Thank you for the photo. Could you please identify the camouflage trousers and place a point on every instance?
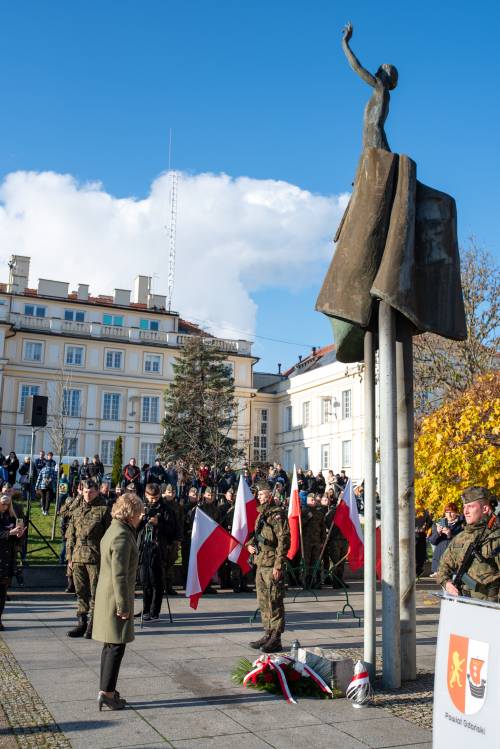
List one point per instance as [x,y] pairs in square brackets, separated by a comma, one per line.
[312,550]
[270,598]
[334,552]
[85,577]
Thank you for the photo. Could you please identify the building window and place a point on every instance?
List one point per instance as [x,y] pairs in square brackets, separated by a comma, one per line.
[306,413]
[346,404]
[230,369]
[260,440]
[306,458]
[70,447]
[107,450]
[113,359]
[33,310]
[111,406]
[148,452]
[152,363]
[346,453]
[73,356]
[150,411]
[33,351]
[71,315]
[24,443]
[288,460]
[325,457]
[25,391]
[116,320]
[288,419]
[326,410]
[149,325]
[71,402]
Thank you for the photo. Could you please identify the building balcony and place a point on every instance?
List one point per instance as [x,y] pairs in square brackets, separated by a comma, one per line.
[97,330]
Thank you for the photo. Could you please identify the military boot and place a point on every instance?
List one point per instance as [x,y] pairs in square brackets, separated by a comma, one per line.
[272,644]
[88,631]
[255,644]
[80,628]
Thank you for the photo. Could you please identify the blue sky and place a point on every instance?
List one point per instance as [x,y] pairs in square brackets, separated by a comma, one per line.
[259,89]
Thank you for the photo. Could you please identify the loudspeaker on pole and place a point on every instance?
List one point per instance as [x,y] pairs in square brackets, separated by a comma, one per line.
[35,411]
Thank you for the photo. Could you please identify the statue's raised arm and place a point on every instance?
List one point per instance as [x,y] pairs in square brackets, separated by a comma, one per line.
[352,59]
[377,109]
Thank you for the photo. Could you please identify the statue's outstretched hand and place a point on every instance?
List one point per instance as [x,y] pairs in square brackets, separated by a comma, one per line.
[347,31]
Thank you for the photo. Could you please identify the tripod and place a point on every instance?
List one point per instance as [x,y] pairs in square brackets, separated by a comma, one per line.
[29,521]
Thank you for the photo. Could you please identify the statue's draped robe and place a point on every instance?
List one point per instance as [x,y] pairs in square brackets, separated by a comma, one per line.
[397,242]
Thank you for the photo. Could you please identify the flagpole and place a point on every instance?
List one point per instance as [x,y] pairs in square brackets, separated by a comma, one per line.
[370,582]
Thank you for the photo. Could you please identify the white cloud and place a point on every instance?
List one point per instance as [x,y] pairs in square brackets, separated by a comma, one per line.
[234,236]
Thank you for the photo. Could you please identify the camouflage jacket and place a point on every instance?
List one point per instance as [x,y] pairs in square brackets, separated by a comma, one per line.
[485,573]
[211,509]
[313,525]
[67,509]
[272,535]
[87,526]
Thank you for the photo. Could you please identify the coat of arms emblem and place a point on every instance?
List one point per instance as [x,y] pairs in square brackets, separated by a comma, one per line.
[467,673]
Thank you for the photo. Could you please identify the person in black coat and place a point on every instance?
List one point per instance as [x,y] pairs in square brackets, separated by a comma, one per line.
[443,532]
[12,529]
[159,531]
[12,467]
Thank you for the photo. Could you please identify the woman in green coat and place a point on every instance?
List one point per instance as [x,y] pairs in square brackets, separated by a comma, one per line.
[114,601]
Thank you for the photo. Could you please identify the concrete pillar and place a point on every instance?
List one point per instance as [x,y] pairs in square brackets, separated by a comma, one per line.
[391,644]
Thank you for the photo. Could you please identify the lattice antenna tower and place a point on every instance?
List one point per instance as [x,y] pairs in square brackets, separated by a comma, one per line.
[172,226]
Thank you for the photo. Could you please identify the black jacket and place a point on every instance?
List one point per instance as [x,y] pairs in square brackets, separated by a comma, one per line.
[9,545]
[165,533]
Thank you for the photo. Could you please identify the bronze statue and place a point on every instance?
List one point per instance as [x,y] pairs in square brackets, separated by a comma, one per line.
[397,241]
[377,109]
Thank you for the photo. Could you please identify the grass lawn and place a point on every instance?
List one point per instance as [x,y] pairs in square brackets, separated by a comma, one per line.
[38,553]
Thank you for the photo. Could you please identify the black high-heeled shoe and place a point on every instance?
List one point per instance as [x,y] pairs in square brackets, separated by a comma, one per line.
[114,703]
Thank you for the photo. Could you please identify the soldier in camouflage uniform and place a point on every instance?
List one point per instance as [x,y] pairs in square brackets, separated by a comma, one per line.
[65,515]
[230,573]
[269,545]
[336,551]
[210,508]
[313,538]
[189,511]
[88,524]
[482,579]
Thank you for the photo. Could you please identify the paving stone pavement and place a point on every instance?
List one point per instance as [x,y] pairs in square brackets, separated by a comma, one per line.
[176,678]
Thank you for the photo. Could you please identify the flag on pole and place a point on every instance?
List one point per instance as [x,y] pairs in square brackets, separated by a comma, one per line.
[347,519]
[211,544]
[294,516]
[245,515]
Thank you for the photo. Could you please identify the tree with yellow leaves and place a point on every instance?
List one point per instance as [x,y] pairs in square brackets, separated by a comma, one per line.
[458,445]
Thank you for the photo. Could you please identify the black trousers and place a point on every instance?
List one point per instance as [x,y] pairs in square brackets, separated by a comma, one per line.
[47,495]
[153,591]
[4,584]
[111,658]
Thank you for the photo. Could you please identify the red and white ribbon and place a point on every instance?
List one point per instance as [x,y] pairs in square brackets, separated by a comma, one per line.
[275,663]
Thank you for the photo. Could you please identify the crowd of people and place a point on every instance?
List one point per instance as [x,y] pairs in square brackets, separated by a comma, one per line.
[144,524]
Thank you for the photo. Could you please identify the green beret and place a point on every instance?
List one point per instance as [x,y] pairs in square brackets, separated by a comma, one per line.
[475,494]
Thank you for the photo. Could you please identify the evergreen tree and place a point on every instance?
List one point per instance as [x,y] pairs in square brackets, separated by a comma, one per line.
[116,471]
[200,408]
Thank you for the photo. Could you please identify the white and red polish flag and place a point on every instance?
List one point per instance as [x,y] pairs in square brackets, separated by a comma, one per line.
[245,515]
[211,544]
[294,516]
[347,519]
